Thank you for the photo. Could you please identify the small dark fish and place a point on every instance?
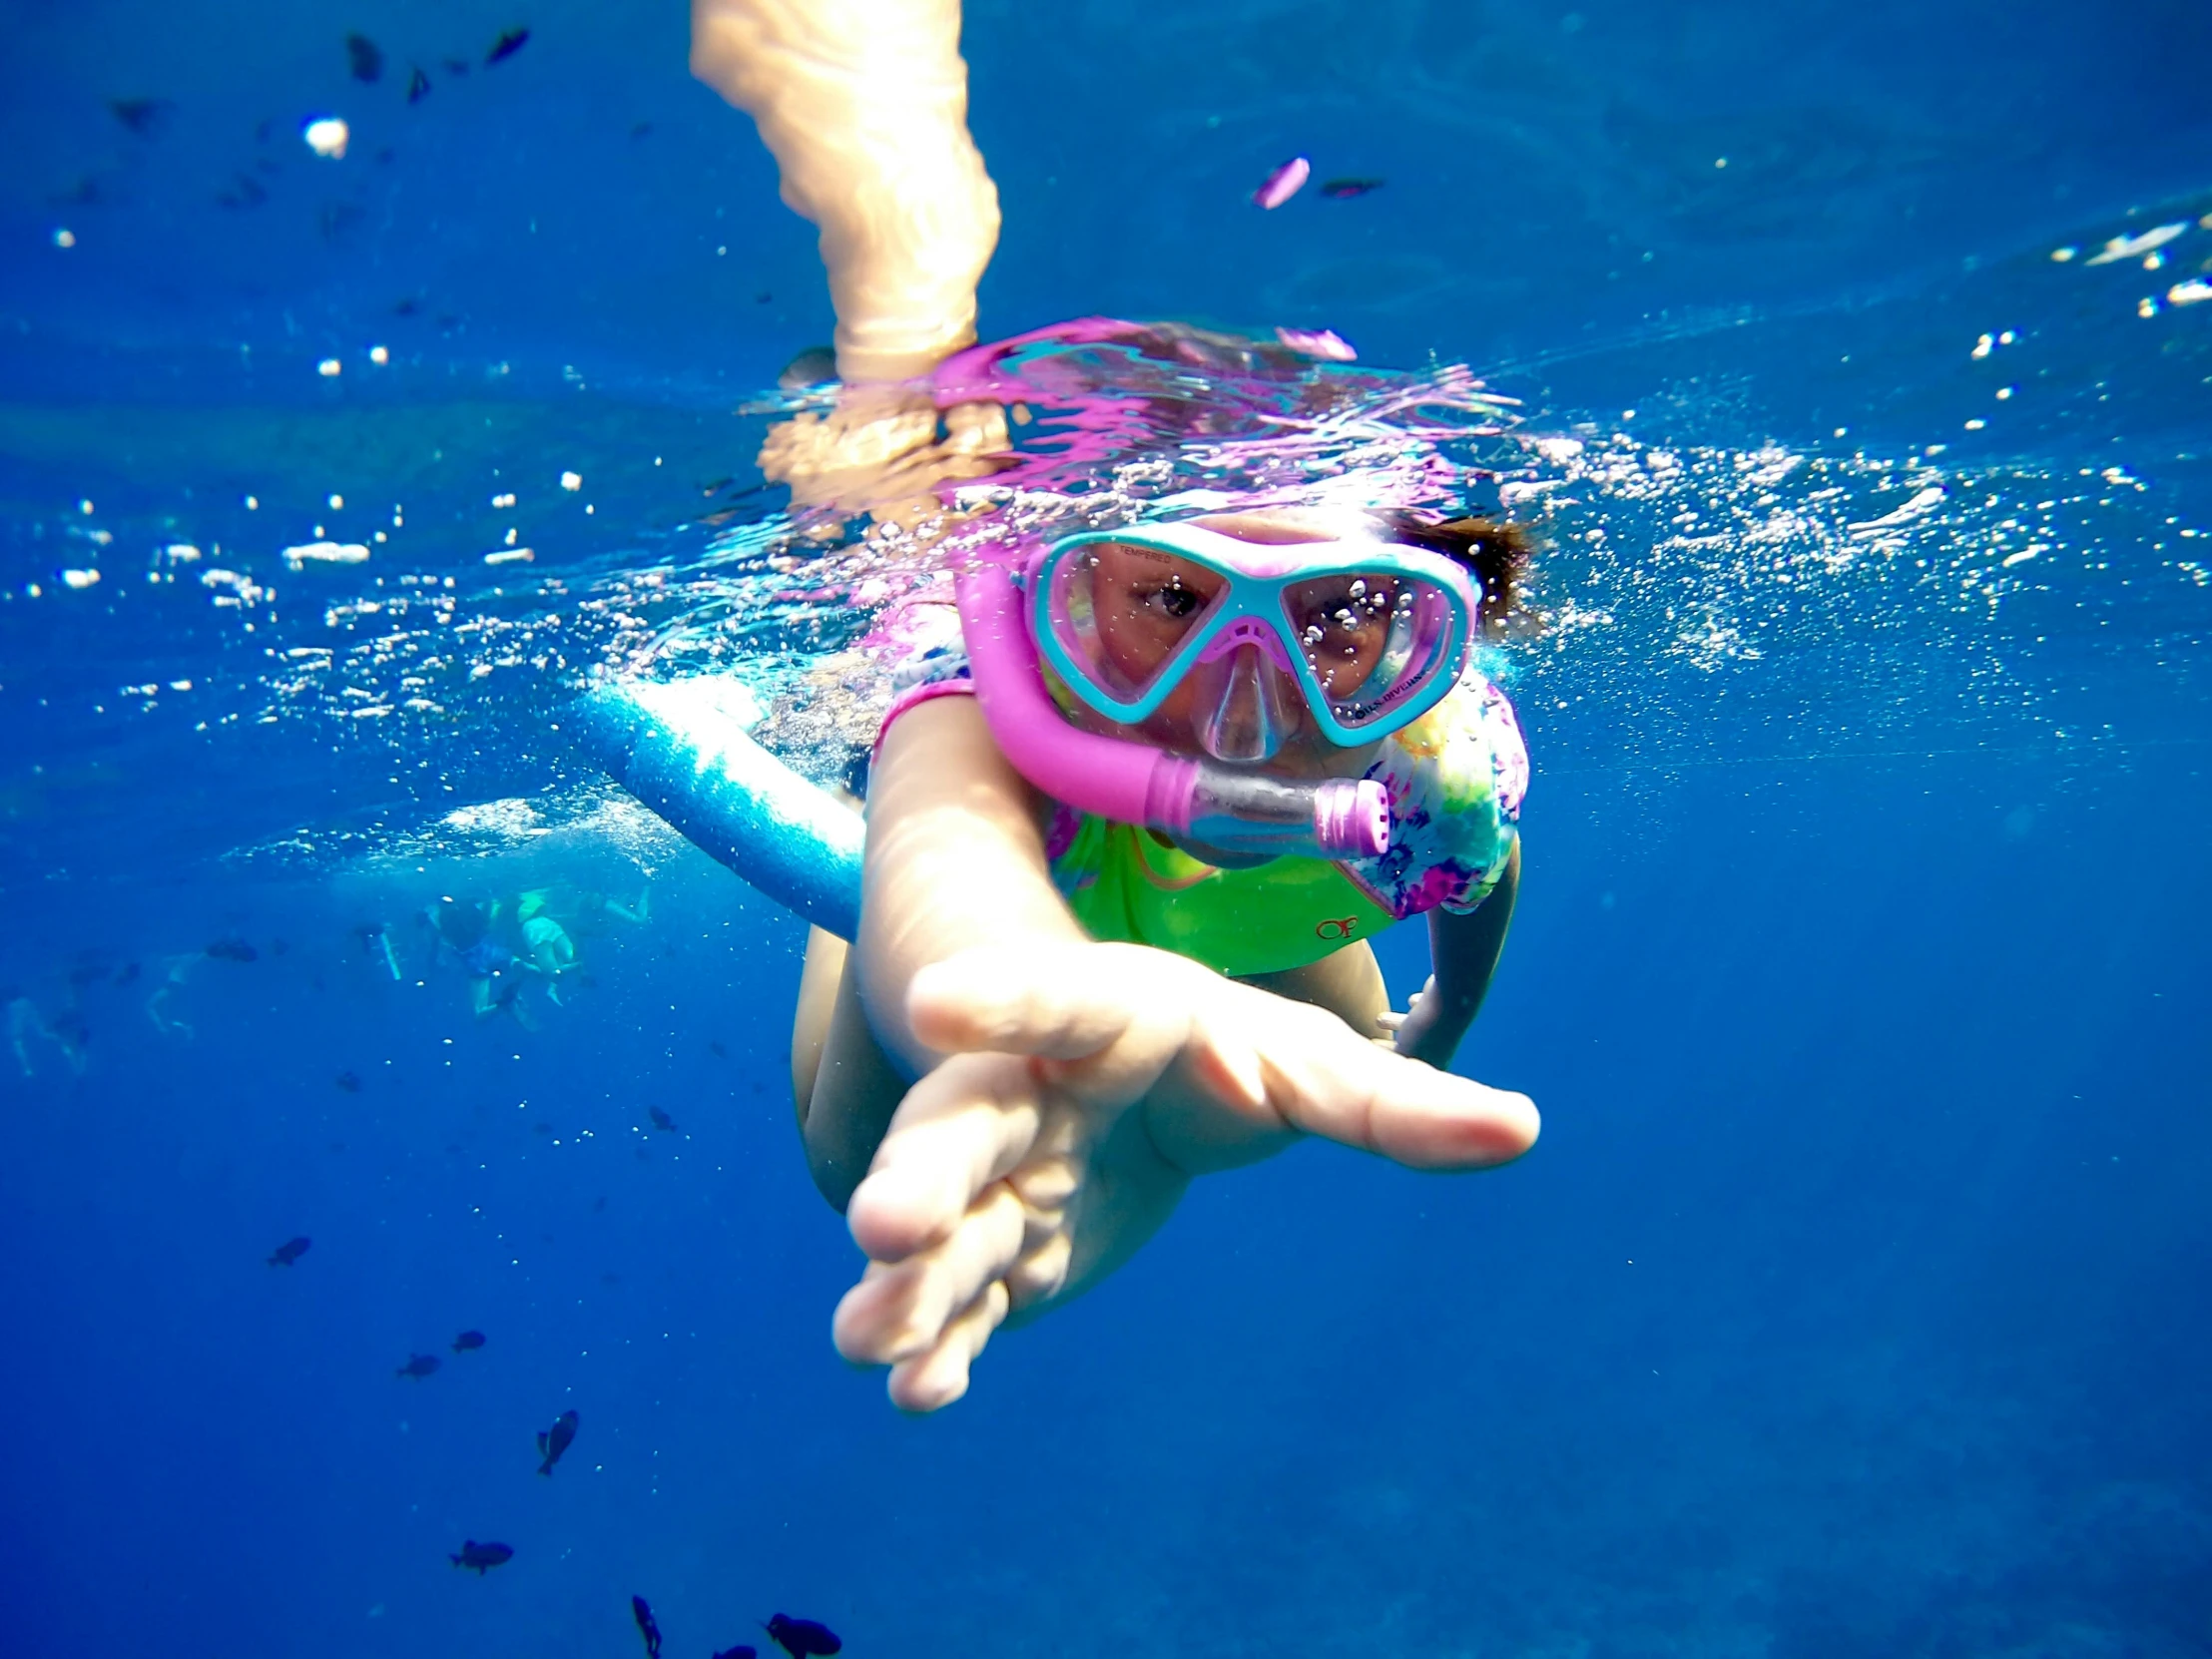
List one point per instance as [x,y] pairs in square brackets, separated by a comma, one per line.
[126,973]
[407,307]
[718,485]
[1343,189]
[85,193]
[246,191]
[741,1651]
[541,1129]
[348,1082]
[803,1638]
[144,116]
[289,1252]
[87,970]
[483,1557]
[234,950]
[365,57]
[641,128]
[456,66]
[70,1029]
[717,1051]
[555,1440]
[507,45]
[468,1341]
[643,1613]
[661,1120]
[418,1365]
[815,366]
[763,297]
[418,84]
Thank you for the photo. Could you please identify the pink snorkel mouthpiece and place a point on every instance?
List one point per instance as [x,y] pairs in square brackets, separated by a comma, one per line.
[1133,783]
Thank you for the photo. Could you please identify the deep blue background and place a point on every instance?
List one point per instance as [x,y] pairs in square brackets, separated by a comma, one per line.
[1854,1300]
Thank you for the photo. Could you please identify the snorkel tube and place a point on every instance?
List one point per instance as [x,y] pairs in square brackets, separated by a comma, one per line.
[1133,783]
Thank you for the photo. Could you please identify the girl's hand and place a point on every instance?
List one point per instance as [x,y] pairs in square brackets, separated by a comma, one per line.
[879,450]
[1087,1084]
[1405,1033]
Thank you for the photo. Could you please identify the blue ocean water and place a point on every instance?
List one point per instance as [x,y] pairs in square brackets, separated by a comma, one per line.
[1853,1301]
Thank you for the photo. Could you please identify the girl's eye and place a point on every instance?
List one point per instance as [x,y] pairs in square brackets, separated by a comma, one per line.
[1175,603]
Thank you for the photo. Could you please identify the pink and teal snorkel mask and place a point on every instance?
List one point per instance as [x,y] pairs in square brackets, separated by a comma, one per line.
[1239,643]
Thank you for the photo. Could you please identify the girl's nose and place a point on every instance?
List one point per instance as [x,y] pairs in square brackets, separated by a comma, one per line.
[1246,706]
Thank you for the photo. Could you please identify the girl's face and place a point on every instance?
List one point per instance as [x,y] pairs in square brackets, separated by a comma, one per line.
[1145,602]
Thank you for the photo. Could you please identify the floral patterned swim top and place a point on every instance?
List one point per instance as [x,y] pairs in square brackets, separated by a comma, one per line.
[1455,778]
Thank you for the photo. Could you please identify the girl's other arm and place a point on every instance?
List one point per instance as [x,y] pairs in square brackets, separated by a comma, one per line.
[864,104]
[1465,949]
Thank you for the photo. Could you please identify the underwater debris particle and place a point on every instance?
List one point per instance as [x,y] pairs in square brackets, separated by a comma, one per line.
[379,355]
[329,369]
[1283,184]
[325,553]
[2128,247]
[64,238]
[1323,343]
[326,136]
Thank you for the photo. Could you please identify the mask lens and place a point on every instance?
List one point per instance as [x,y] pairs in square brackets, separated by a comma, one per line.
[1372,639]
[1124,611]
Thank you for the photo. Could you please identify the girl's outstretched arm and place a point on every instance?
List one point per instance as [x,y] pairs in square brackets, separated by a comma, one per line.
[864,104]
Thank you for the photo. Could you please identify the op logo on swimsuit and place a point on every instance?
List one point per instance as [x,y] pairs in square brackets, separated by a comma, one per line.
[1337,927]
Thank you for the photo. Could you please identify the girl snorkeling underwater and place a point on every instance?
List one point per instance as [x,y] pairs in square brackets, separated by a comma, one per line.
[1127,841]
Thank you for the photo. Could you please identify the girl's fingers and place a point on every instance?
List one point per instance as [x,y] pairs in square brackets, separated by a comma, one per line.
[1058,1002]
[940,1376]
[1322,1077]
[899,1313]
[962,1127]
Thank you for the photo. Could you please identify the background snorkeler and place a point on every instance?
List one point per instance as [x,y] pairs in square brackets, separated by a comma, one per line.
[1006,1104]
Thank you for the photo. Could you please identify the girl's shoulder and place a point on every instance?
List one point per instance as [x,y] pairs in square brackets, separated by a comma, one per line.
[1468,746]
[1456,778]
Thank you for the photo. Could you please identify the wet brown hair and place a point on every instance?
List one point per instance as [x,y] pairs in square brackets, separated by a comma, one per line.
[1495,552]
